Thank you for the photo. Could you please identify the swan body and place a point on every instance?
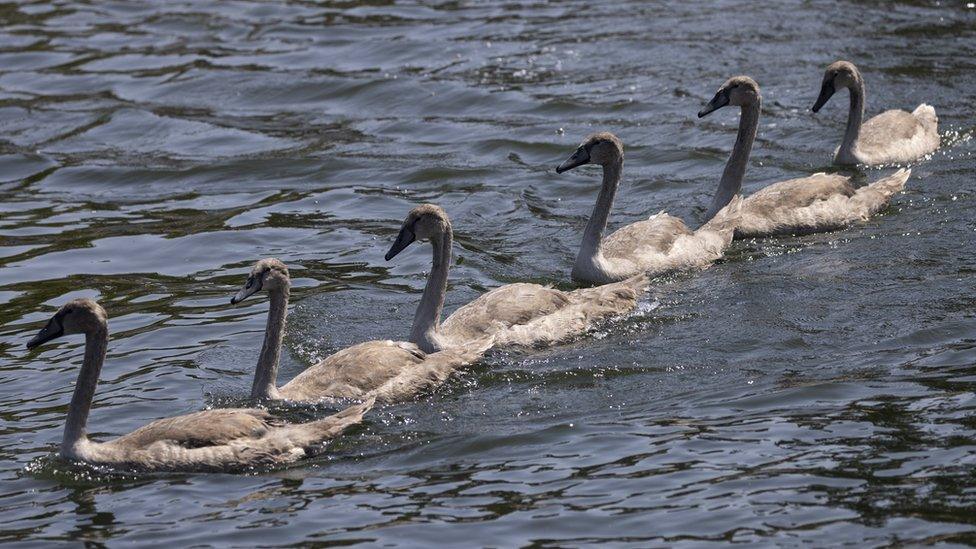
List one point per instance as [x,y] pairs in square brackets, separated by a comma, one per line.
[215,440]
[894,136]
[389,371]
[520,314]
[820,202]
[657,245]
[211,440]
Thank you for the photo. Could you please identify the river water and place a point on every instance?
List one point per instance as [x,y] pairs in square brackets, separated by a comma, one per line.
[811,390]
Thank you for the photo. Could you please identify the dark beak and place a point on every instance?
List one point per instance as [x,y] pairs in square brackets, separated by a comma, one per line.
[826,91]
[252,287]
[580,157]
[403,240]
[720,100]
[52,330]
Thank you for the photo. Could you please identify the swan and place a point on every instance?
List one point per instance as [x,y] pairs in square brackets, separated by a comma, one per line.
[211,440]
[390,371]
[891,137]
[820,202]
[654,246]
[519,314]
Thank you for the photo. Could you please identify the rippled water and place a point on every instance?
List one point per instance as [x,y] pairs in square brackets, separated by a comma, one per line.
[805,390]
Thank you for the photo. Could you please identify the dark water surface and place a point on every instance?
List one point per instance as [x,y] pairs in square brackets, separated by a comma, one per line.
[812,390]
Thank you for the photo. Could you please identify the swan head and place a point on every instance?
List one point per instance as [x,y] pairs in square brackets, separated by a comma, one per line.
[738,91]
[422,223]
[601,148]
[78,316]
[839,75]
[268,274]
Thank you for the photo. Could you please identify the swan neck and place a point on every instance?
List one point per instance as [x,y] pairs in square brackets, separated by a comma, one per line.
[428,317]
[735,167]
[96,344]
[855,116]
[597,224]
[265,384]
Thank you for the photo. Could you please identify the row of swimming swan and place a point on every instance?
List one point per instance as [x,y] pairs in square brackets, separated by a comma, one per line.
[520,314]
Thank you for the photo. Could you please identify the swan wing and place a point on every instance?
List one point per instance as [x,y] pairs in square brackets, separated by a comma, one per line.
[881,130]
[663,244]
[201,429]
[500,309]
[898,136]
[431,373]
[805,204]
[586,307]
[797,193]
[354,371]
[653,236]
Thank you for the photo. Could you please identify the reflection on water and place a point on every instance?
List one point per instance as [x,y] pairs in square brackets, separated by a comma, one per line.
[805,390]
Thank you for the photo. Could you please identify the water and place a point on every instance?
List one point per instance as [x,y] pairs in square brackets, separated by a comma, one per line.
[812,390]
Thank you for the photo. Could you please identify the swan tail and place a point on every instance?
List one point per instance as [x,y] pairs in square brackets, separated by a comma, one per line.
[307,435]
[926,115]
[614,297]
[874,197]
[637,284]
[727,219]
[464,355]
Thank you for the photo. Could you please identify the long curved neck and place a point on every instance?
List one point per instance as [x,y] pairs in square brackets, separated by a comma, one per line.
[855,115]
[597,224]
[96,344]
[266,374]
[428,317]
[735,168]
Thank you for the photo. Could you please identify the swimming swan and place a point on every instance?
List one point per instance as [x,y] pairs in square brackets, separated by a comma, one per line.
[211,440]
[519,314]
[390,371]
[820,202]
[656,245]
[891,137]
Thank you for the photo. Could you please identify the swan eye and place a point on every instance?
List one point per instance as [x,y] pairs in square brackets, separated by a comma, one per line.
[256,279]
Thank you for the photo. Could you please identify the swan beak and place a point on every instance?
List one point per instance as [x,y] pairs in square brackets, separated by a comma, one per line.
[252,287]
[826,91]
[720,100]
[403,240]
[580,157]
[52,330]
